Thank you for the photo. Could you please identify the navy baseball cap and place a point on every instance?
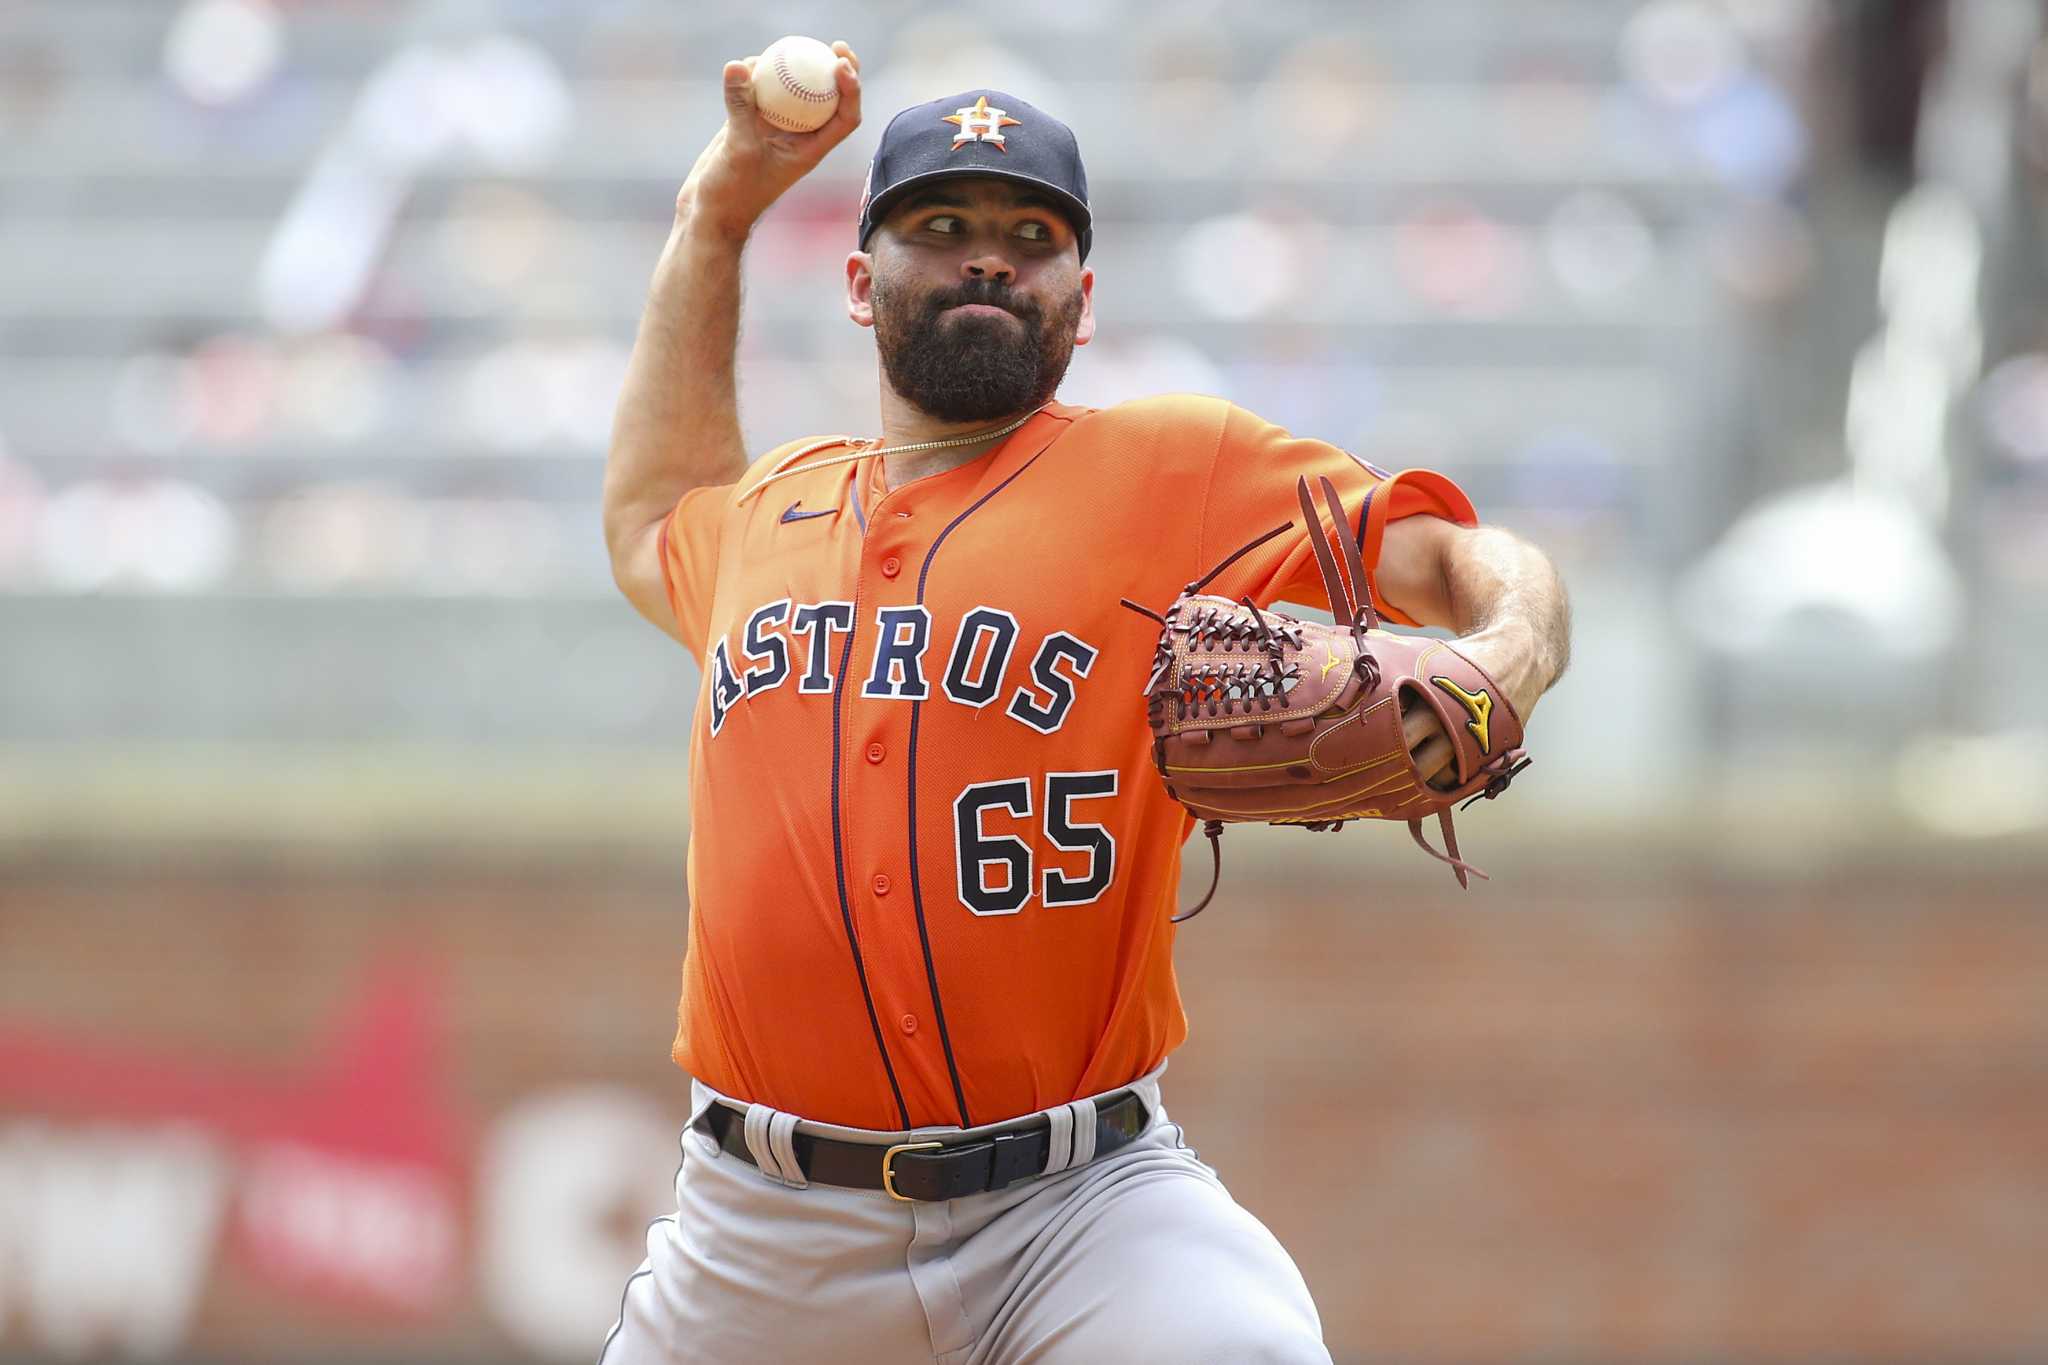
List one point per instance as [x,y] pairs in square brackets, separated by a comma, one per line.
[981,132]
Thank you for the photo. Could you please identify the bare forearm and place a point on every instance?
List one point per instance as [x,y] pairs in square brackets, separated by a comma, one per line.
[1503,588]
[677,425]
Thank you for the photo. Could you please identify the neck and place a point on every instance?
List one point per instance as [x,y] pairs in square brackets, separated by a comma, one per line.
[903,424]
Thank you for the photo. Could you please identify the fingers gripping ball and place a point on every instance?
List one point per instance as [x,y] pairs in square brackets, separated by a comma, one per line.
[794,85]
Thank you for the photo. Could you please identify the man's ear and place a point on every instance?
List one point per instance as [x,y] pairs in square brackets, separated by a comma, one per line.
[1085,332]
[860,288]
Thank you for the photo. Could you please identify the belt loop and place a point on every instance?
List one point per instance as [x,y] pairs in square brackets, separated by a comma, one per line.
[781,1127]
[1083,1112]
[1059,1139]
[758,1118]
[702,1098]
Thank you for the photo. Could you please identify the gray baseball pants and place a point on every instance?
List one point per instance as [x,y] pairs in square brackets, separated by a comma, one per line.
[1141,1256]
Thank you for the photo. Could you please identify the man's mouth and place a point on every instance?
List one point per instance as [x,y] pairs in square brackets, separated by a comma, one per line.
[981,310]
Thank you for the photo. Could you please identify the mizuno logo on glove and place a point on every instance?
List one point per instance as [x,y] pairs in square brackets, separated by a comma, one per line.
[1479,704]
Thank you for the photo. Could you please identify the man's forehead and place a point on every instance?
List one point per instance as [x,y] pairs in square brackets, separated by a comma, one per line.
[974,191]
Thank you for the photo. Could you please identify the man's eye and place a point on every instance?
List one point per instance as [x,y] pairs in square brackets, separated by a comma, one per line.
[945,222]
[1035,232]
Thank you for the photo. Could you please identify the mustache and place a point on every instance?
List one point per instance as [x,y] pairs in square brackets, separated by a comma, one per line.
[983,292]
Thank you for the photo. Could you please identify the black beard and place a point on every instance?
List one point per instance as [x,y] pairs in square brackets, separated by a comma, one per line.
[973,368]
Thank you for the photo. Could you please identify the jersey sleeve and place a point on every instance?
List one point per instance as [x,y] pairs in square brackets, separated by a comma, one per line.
[1251,491]
[689,560]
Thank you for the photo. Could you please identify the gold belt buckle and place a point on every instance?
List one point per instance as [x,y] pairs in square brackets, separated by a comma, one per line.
[889,1166]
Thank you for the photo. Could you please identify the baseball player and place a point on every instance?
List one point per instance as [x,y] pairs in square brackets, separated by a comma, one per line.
[929,991]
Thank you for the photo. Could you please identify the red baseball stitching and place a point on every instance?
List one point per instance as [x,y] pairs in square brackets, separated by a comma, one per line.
[802,92]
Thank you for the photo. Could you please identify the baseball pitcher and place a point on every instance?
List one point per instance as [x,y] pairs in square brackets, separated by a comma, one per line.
[969,685]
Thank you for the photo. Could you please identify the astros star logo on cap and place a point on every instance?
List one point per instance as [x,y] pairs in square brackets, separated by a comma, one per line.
[979,123]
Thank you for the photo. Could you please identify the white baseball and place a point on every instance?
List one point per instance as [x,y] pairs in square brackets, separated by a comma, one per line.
[794,85]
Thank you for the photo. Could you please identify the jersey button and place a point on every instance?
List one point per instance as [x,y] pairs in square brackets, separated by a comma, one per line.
[910,1023]
[875,752]
[891,567]
[881,883]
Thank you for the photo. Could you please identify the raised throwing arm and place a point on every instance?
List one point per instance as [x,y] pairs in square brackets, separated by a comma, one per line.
[677,426]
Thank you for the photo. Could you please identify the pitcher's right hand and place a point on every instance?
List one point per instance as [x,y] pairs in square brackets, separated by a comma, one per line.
[751,162]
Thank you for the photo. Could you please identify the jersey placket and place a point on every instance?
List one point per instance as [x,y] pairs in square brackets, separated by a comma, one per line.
[890,671]
[891,888]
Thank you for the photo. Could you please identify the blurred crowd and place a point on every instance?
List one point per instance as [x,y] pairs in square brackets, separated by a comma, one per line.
[1735,305]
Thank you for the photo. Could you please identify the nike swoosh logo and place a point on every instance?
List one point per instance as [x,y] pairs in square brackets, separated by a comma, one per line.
[791,514]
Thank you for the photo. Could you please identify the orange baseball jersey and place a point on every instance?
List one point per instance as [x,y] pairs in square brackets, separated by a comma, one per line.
[931,866]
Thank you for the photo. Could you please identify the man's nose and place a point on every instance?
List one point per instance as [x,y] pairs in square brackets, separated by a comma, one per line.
[988,266]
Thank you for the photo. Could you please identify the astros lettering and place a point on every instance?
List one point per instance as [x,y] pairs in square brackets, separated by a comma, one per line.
[978,655]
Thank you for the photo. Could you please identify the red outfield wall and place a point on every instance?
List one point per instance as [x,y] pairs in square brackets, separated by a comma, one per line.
[421,1116]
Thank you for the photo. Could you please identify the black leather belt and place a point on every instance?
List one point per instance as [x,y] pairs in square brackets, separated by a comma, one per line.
[932,1169]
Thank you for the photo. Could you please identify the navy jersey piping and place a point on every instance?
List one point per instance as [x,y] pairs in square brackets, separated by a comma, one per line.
[1365,512]
[916,886]
[860,968]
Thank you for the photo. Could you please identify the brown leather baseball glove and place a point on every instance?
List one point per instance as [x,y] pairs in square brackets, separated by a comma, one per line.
[1260,716]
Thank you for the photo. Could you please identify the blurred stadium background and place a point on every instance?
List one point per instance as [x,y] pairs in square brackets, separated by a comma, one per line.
[342,802]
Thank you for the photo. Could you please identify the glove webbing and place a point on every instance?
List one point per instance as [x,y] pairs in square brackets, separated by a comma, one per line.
[1214,828]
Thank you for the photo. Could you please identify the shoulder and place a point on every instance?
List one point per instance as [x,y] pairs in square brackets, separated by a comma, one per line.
[1175,412]
[1167,427]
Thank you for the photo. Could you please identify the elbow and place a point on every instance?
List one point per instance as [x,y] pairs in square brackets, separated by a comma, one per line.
[621,535]
[625,575]
[1563,625]
[618,510]
[639,571]
[630,519]
[632,544]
